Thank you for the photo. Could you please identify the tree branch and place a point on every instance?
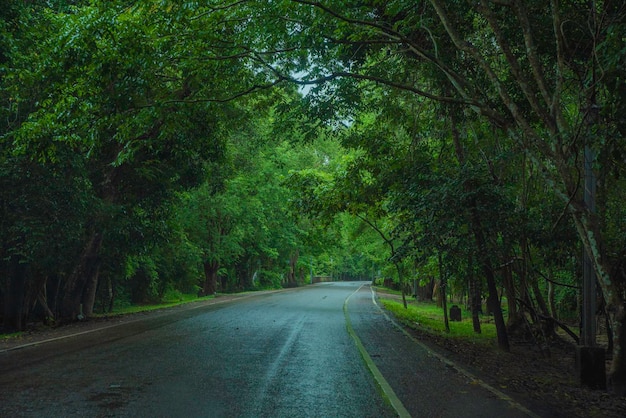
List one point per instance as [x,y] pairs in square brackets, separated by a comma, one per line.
[213,9]
[505,97]
[514,65]
[460,84]
[252,89]
[560,67]
[531,51]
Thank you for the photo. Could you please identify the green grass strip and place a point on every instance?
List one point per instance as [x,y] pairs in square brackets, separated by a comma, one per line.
[428,317]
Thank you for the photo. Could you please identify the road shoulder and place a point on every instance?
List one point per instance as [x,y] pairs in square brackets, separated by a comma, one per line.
[42,334]
[426,385]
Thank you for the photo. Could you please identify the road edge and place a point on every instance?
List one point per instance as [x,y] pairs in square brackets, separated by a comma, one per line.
[193,305]
[382,383]
[500,395]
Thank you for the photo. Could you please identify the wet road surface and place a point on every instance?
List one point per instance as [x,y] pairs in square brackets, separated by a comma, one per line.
[282,354]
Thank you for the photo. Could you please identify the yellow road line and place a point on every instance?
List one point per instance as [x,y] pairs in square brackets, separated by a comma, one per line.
[378,376]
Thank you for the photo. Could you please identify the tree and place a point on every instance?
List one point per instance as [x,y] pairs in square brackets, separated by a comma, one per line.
[116,94]
[530,68]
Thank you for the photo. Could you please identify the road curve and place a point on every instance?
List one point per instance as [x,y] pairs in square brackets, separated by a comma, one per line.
[283,354]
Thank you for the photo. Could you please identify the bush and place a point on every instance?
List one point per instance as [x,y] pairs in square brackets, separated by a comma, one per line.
[268,279]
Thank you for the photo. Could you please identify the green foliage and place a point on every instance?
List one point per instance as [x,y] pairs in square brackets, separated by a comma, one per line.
[440,175]
[118,119]
[268,279]
[429,318]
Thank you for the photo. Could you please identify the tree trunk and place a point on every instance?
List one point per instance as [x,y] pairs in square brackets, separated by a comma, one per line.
[511,298]
[587,227]
[438,293]
[401,283]
[617,372]
[551,301]
[110,294]
[442,280]
[548,327]
[84,272]
[91,286]
[616,311]
[23,291]
[210,278]
[493,300]
[474,296]
[293,262]
[42,299]
[14,317]
[36,293]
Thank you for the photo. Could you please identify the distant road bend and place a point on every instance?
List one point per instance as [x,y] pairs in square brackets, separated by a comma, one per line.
[319,351]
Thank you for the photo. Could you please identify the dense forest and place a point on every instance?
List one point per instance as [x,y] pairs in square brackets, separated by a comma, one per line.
[156,147]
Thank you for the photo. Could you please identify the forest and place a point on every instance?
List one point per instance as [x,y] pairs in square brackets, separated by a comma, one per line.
[151,148]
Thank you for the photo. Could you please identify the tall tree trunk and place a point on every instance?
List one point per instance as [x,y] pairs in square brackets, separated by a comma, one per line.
[551,301]
[616,312]
[210,277]
[442,280]
[42,299]
[293,262]
[511,298]
[401,283]
[112,293]
[91,286]
[35,292]
[474,295]
[610,281]
[493,300]
[438,293]
[617,372]
[548,327]
[87,267]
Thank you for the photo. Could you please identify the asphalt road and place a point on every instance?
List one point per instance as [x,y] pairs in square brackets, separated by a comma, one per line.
[321,351]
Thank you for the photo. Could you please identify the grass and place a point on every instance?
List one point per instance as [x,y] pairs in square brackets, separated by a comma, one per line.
[388,290]
[12,335]
[428,317]
[167,302]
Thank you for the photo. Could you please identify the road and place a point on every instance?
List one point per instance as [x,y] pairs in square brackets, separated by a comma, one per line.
[321,351]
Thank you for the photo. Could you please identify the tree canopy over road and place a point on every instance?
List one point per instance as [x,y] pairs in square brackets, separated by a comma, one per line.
[155,147]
